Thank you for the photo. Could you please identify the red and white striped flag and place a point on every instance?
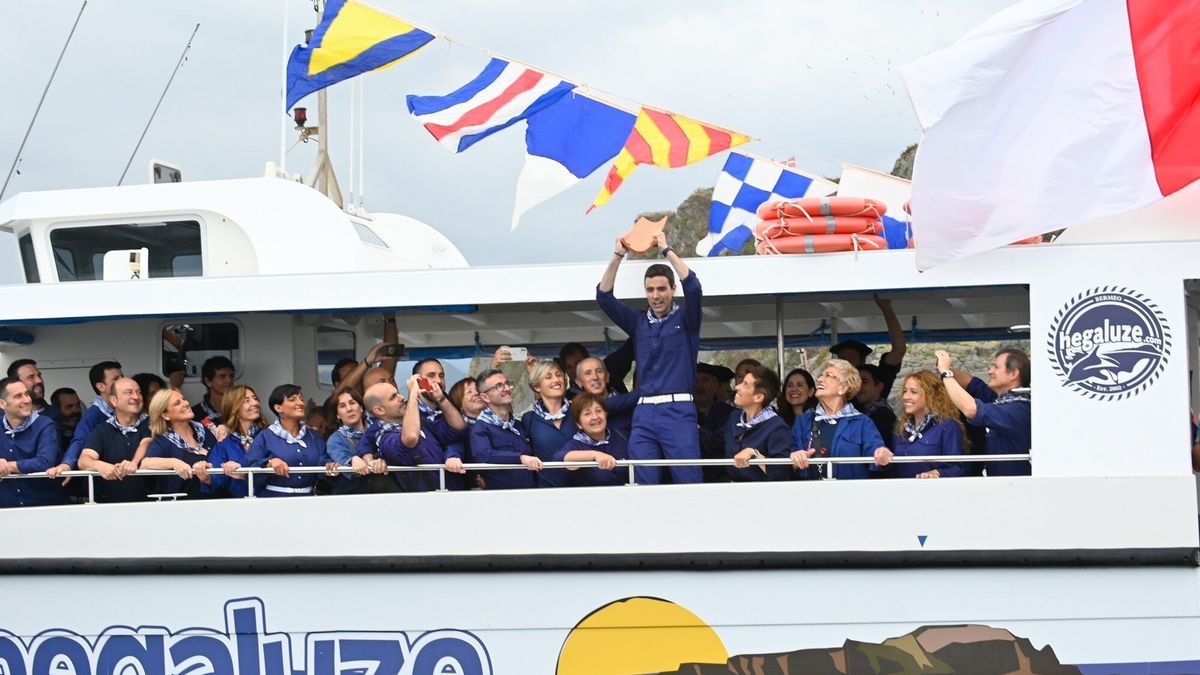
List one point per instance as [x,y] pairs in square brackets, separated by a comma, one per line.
[1052,113]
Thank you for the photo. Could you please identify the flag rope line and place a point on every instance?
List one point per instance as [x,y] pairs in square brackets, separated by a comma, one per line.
[588,88]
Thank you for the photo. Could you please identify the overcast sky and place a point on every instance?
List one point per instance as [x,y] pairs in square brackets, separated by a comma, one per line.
[808,77]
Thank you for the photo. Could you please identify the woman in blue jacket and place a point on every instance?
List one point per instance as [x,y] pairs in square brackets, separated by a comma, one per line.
[549,423]
[179,443]
[594,442]
[242,412]
[836,429]
[286,444]
[929,426]
[757,431]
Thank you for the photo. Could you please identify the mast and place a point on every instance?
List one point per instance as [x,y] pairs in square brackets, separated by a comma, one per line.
[322,177]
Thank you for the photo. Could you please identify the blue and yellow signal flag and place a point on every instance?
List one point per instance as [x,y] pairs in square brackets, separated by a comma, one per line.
[351,39]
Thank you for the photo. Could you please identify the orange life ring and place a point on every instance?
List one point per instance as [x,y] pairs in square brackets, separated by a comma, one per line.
[783,227]
[821,206]
[820,243]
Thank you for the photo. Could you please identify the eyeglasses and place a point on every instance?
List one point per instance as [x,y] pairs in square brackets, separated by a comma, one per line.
[498,385]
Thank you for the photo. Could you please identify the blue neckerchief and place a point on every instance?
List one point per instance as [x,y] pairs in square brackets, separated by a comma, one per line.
[247,438]
[492,418]
[762,416]
[124,429]
[277,429]
[821,415]
[915,432]
[383,428]
[1010,397]
[210,414]
[12,433]
[387,428]
[539,409]
[104,406]
[591,442]
[350,433]
[879,404]
[654,319]
[177,440]
[428,412]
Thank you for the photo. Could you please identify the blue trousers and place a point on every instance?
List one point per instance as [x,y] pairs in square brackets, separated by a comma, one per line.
[665,431]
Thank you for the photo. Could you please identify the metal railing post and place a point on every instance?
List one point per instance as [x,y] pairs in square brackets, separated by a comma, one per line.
[91,489]
[250,485]
[441,479]
[632,475]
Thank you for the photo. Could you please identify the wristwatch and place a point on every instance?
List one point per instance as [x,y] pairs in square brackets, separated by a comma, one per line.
[946,373]
[666,250]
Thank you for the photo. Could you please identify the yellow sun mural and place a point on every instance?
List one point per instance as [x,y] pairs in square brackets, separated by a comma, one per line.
[638,635]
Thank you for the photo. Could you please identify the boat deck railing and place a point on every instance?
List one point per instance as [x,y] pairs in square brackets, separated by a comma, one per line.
[628,464]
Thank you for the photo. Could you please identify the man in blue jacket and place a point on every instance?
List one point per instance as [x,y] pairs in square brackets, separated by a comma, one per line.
[666,340]
[1003,412]
[498,437]
[28,444]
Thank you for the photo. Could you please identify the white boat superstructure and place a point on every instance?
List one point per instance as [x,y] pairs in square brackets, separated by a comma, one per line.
[223,228]
[1110,511]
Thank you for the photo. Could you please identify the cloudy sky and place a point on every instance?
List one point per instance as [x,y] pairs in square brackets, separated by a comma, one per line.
[811,78]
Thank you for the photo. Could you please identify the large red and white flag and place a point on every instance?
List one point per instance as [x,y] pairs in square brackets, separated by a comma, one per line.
[1052,113]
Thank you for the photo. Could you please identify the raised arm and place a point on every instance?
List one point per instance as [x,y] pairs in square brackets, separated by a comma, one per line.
[961,398]
[391,336]
[355,376]
[681,268]
[609,279]
[410,433]
[895,332]
[452,415]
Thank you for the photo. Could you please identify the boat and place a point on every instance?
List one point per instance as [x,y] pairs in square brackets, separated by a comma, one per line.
[1089,565]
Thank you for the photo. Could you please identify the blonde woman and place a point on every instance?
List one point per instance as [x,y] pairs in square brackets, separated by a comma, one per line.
[929,426]
[178,443]
[549,423]
[836,429]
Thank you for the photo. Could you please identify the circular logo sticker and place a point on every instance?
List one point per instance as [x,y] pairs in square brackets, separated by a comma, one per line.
[1109,343]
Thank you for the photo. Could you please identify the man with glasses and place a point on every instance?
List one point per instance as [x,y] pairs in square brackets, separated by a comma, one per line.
[498,437]
[666,340]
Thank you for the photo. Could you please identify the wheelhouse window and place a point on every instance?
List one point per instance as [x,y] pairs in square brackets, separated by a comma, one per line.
[27,260]
[185,346]
[135,250]
[333,345]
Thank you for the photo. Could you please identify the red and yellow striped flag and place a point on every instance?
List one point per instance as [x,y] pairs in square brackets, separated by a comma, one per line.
[665,140]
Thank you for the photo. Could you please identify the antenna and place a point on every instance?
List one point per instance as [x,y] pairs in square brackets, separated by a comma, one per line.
[41,100]
[182,58]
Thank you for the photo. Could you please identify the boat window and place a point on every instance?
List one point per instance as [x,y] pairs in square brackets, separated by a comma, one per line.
[27,260]
[186,265]
[170,249]
[185,346]
[333,344]
[368,235]
[1193,358]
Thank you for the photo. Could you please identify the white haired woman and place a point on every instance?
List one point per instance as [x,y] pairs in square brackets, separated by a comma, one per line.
[836,429]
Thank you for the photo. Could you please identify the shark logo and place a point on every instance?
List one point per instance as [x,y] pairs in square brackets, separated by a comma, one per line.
[1109,343]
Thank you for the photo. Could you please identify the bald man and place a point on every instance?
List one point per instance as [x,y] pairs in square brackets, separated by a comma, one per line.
[111,447]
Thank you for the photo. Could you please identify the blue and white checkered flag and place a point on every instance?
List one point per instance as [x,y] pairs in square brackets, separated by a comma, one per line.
[745,183]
